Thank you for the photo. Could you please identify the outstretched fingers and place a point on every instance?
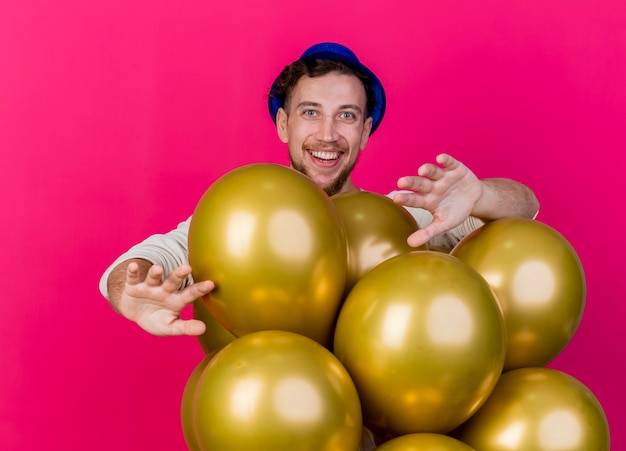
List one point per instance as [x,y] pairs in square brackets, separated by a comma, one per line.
[415,183]
[434,172]
[174,280]
[133,276]
[414,199]
[202,288]
[424,234]
[154,276]
[181,298]
[447,161]
[155,302]
[187,327]
[429,174]
[431,171]
[196,291]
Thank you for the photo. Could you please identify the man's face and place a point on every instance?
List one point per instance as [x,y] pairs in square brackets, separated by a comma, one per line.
[325,129]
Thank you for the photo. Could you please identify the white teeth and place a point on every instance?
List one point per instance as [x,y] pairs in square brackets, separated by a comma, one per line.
[325,155]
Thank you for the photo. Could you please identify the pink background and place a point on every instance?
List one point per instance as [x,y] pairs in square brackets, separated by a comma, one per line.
[115,116]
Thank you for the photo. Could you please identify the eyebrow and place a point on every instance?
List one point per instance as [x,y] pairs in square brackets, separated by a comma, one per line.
[349,106]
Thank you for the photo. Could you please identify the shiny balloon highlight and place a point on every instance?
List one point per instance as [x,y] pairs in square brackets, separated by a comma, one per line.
[538,280]
[538,409]
[274,245]
[423,338]
[376,230]
[276,390]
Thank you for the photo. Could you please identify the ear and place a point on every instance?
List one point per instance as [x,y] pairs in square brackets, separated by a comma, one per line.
[281,125]
[367,128]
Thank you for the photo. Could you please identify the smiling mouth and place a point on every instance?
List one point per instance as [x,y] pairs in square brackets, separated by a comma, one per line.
[325,156]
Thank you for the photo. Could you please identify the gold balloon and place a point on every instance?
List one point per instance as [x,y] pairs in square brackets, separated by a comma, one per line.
[186,405]
[273,243]
[538,409]
[376,229]
[538,280]
[216,336]
[423,338]
[424,442]
[279,391]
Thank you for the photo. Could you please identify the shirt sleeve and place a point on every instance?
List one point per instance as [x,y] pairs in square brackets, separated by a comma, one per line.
[447,239]
[169,250]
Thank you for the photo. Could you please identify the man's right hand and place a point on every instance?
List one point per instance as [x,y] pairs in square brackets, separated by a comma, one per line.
[155,304]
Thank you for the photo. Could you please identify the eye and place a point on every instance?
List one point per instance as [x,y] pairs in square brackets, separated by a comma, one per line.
[310,113]
[347,115]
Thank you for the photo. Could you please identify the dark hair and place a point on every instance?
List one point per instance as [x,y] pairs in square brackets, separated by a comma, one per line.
[290,75]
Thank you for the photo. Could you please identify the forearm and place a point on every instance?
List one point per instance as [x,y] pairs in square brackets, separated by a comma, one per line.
[117,280]
[167,250]
[503,198]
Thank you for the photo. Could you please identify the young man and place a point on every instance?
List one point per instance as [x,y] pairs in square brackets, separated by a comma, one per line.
[325,106]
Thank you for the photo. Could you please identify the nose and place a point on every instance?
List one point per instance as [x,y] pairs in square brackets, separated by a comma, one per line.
[327,131]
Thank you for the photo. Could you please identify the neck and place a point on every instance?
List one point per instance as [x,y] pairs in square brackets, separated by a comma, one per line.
[349,187]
